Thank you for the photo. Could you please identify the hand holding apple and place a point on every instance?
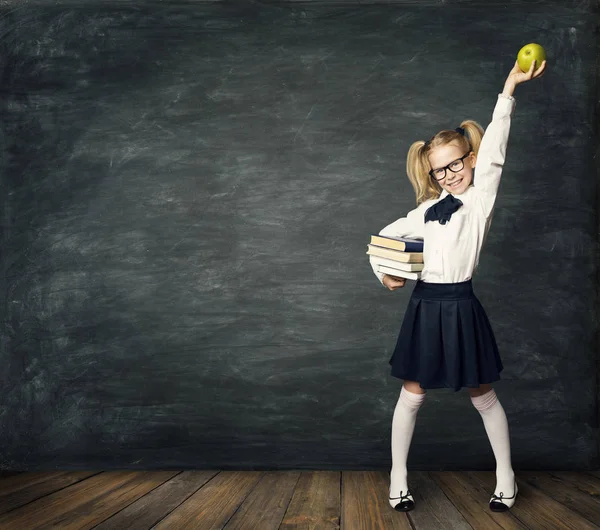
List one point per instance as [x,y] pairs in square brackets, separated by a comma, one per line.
[517,76]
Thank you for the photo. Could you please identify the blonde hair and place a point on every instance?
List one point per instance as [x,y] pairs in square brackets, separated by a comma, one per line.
[417,160]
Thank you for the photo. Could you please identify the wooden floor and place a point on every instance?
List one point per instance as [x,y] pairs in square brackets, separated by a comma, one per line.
[264,500]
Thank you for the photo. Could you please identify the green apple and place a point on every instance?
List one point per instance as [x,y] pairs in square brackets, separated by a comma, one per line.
[528,53]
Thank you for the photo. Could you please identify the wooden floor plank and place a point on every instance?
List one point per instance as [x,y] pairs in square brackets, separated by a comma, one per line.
[94,512]
[315,503]
[151,508]
[39,513]
[432,508]
[365,502]
[586,483]
[469,501]
[84,504]
[538,510]
[595,473]
[572,490]
[10,484]
[32,491]
[213,504]
[267,503]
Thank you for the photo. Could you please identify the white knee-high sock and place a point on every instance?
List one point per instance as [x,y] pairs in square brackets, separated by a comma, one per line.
[496,427]
[403,426]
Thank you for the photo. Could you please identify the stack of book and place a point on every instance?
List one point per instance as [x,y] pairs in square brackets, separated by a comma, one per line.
[397,256]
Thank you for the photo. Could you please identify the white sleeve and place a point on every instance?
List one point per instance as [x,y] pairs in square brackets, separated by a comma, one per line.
[412,225]
[492,152]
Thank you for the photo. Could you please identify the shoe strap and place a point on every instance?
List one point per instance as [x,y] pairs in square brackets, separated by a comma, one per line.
[401,496]
[501,496]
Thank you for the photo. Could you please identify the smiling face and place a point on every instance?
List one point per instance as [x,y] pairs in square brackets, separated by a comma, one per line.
[449,154]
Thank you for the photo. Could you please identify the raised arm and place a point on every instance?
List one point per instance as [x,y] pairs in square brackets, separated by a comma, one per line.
[492,151]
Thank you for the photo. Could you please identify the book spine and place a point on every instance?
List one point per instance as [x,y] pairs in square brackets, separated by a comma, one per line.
[413,247]
[398,272]
[398,255]
[402,265]
[397,244]
[391,244]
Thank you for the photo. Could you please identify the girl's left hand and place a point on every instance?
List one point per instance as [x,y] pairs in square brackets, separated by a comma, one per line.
[517,76]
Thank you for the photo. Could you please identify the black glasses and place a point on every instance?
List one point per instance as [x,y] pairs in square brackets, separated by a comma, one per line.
[454,166]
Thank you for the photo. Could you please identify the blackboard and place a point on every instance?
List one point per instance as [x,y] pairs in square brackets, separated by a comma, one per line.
[188,190]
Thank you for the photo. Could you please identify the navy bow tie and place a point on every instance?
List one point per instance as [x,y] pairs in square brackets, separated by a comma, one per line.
[442,211]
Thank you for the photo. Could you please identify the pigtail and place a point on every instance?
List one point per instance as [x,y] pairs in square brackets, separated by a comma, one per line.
[417,169]
[473,133]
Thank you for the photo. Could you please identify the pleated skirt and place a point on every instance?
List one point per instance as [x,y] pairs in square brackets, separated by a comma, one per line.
[446,340]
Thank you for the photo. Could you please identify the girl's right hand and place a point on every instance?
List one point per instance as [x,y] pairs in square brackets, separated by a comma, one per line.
[393,282]
[516,76]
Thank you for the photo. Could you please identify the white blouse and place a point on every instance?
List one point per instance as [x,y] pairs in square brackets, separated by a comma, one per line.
[451,251]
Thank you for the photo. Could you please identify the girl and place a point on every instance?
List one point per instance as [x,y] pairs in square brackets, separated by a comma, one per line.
[446,339]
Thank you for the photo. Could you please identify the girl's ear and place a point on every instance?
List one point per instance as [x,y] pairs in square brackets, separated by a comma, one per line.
[473,159]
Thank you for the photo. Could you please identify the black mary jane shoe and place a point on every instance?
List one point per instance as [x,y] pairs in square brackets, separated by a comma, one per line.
[496,504]
[406,503]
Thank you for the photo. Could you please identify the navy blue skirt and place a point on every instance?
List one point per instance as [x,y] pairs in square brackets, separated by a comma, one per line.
[446,340]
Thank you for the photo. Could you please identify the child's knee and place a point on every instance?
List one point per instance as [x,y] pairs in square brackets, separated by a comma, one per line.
[485,401]
[413,400]
[414,387]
